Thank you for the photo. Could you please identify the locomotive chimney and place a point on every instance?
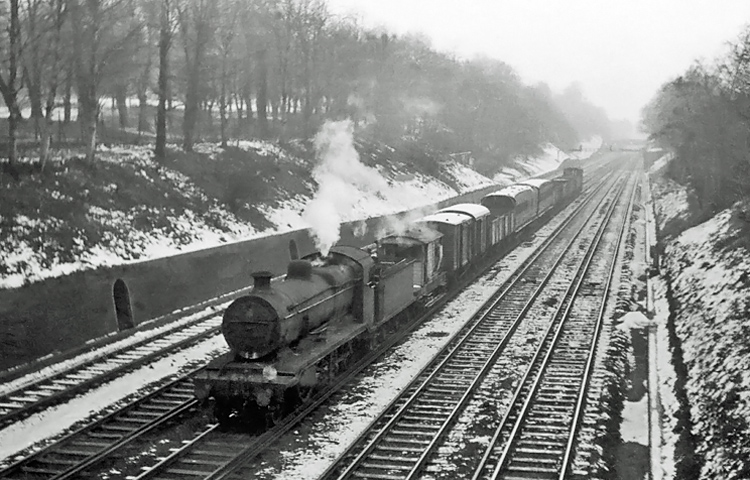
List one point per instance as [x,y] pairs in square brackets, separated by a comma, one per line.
[262,279]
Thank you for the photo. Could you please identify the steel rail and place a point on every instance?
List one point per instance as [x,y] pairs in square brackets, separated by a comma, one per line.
[36,464]
[26,400]
[588,372]
[539,368]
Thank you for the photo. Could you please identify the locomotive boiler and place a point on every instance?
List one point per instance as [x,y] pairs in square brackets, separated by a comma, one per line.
[268,318]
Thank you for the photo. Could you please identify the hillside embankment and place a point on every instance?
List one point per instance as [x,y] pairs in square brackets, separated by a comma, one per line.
[705,263]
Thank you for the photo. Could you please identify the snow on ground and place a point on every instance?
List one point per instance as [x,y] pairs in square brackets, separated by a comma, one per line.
[467,178]
[343,422]
[411,192]
[710,291]
[672,197]
[660,164]
[666,382]
[154,244]
[710,288]
[666,402]
[58,419]
[634,415]
[549,160]
[403,192]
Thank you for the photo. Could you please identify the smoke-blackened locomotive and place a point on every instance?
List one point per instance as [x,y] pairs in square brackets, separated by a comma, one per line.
[290,336]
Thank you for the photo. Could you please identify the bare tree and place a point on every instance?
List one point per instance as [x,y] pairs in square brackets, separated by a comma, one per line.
[310,22]
[262,86]
[166,31]
[143,82]
[196,26]
[8,86]
[229,14]
[104,39]
[283,34]
[43,57]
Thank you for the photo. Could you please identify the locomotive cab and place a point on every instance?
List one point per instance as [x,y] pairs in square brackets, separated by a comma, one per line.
[423,247]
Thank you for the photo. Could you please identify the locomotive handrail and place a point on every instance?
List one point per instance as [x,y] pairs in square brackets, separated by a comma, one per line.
[396,266]
[342,289]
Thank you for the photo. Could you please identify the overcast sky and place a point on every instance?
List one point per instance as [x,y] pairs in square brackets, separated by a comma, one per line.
[620,51]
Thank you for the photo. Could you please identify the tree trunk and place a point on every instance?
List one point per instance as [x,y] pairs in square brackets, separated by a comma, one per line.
[34,90]
[223,118]
[143,83]
[209,116]
[12,144]
[245,99]
[223,102]
[121,99]
[44,142]
[165,37]
[239,107]
[9,90]
[192,108]
[88,116]
[261,100]
[274,112]
[194,62]
[91,142]
[67,103]
[142,113]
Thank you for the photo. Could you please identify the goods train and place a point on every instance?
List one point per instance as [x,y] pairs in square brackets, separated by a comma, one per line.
[289,337]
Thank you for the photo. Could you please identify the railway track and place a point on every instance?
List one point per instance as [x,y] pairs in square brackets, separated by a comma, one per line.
[402,441]
[70,456]
[209,454]
[47,391]
[537,436]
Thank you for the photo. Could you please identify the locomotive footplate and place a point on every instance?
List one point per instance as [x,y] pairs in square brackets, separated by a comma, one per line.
[228,377]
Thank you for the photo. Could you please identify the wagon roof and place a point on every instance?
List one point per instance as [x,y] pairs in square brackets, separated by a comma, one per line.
[413,235]
[473,209]
[512,191]
[448,218]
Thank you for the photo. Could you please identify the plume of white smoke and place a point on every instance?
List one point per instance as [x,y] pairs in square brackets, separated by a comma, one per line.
[420,106]
[360,229]
[399,224]
[361,111]
[340,177]
[355,101]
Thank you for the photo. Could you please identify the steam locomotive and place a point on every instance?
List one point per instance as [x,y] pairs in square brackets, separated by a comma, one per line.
[290,337]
